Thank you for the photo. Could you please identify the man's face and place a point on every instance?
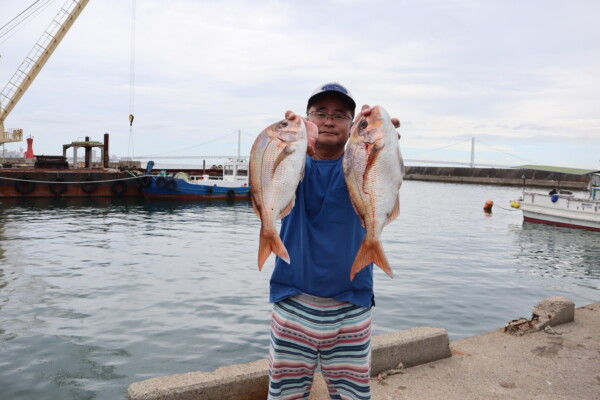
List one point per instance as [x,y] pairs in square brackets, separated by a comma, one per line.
[333,132]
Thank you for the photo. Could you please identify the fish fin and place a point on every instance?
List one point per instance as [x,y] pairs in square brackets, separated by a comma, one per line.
[287,208]
[302,170]
[269,241]
[287,150]
[362,220]
[402,168]
[394,212]
[370,251]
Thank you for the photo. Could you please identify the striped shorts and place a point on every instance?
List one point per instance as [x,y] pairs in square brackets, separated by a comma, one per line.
[308,330]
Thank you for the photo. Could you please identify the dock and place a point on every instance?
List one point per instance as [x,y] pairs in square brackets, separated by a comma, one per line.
[563,363]
[556,359]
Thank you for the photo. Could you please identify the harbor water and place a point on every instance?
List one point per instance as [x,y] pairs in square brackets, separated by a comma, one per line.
[98,293]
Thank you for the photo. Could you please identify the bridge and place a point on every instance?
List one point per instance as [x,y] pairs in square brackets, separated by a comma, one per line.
[412,161]
[406,160]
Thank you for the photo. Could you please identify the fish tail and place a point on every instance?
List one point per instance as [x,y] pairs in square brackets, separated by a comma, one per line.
[268,242]
[370,251]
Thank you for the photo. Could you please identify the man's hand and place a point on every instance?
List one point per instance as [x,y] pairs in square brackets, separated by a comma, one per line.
[312,132]
[366,110]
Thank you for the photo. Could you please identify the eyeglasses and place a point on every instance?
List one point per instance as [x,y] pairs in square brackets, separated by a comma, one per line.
[321,116]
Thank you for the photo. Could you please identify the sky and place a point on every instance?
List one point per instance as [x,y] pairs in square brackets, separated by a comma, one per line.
[521,78]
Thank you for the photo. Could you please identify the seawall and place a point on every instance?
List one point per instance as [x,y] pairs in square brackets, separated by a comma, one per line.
[554,355]
[250,381]
[498,176]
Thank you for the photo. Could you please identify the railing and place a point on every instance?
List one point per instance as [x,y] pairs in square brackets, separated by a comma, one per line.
[11,135]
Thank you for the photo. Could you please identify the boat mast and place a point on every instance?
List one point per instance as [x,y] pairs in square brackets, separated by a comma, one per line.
[239,136]
[34,62]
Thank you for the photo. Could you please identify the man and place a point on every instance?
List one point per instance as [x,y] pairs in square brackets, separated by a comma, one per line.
[319,315]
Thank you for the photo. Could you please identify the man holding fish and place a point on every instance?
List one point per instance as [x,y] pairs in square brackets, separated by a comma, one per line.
[336,196]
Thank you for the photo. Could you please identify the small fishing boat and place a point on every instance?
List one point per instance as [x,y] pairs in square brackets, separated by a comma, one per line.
[563,207]
[232,184]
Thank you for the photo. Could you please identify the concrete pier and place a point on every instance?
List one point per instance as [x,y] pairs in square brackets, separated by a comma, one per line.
[556,360]
[250,381]
[562,363]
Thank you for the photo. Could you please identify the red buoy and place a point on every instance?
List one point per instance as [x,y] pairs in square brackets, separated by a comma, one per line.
[487,207]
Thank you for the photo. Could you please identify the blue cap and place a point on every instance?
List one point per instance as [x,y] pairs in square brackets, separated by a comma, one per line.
[336,89]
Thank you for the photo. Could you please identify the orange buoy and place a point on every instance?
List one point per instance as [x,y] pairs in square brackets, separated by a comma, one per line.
[487,207]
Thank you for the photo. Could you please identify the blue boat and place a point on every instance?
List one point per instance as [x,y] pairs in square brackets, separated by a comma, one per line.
[233,184]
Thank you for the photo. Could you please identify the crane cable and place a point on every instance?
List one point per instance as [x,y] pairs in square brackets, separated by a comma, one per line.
[18,15]
[130,147]
[20,20]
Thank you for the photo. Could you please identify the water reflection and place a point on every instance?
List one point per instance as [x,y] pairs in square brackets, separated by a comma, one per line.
[2,235]
[49,203]
[558,252]
[184,206]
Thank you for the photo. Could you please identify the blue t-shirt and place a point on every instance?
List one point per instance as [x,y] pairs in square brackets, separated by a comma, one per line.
[322,234]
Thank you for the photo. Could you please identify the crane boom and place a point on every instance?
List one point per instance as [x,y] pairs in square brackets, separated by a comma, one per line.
[34,62]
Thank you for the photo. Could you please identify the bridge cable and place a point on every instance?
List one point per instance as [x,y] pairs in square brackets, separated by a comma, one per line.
[505,152]
[191,147]
[440,148]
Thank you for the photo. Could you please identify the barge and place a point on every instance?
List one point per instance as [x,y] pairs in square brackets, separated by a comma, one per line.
[40,182]
[52,176]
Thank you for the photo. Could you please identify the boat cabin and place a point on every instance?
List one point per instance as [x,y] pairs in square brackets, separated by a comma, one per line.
[595,186]
[235,173]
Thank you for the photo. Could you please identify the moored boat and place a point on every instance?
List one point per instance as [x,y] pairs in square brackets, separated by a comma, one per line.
[232,184]
[93,182]
[563,207]
[54,176]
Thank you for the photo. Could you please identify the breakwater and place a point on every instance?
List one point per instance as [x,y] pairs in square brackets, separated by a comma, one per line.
[484,176]
[498,176]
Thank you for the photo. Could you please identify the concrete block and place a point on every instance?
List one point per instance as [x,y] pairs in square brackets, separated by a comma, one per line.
[241,381]
[250,381]
[555,311]
[410,347]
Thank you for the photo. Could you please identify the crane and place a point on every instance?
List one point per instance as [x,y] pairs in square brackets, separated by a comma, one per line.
[34,62]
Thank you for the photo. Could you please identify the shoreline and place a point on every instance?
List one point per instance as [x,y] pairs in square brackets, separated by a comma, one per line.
[555,362]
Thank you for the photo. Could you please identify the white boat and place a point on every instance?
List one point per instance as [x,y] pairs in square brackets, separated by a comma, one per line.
[562,207]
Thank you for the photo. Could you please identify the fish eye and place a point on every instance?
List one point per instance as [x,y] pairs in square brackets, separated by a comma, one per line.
[363,124]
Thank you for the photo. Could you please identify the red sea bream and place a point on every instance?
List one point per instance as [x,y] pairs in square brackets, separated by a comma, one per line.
[373,169]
